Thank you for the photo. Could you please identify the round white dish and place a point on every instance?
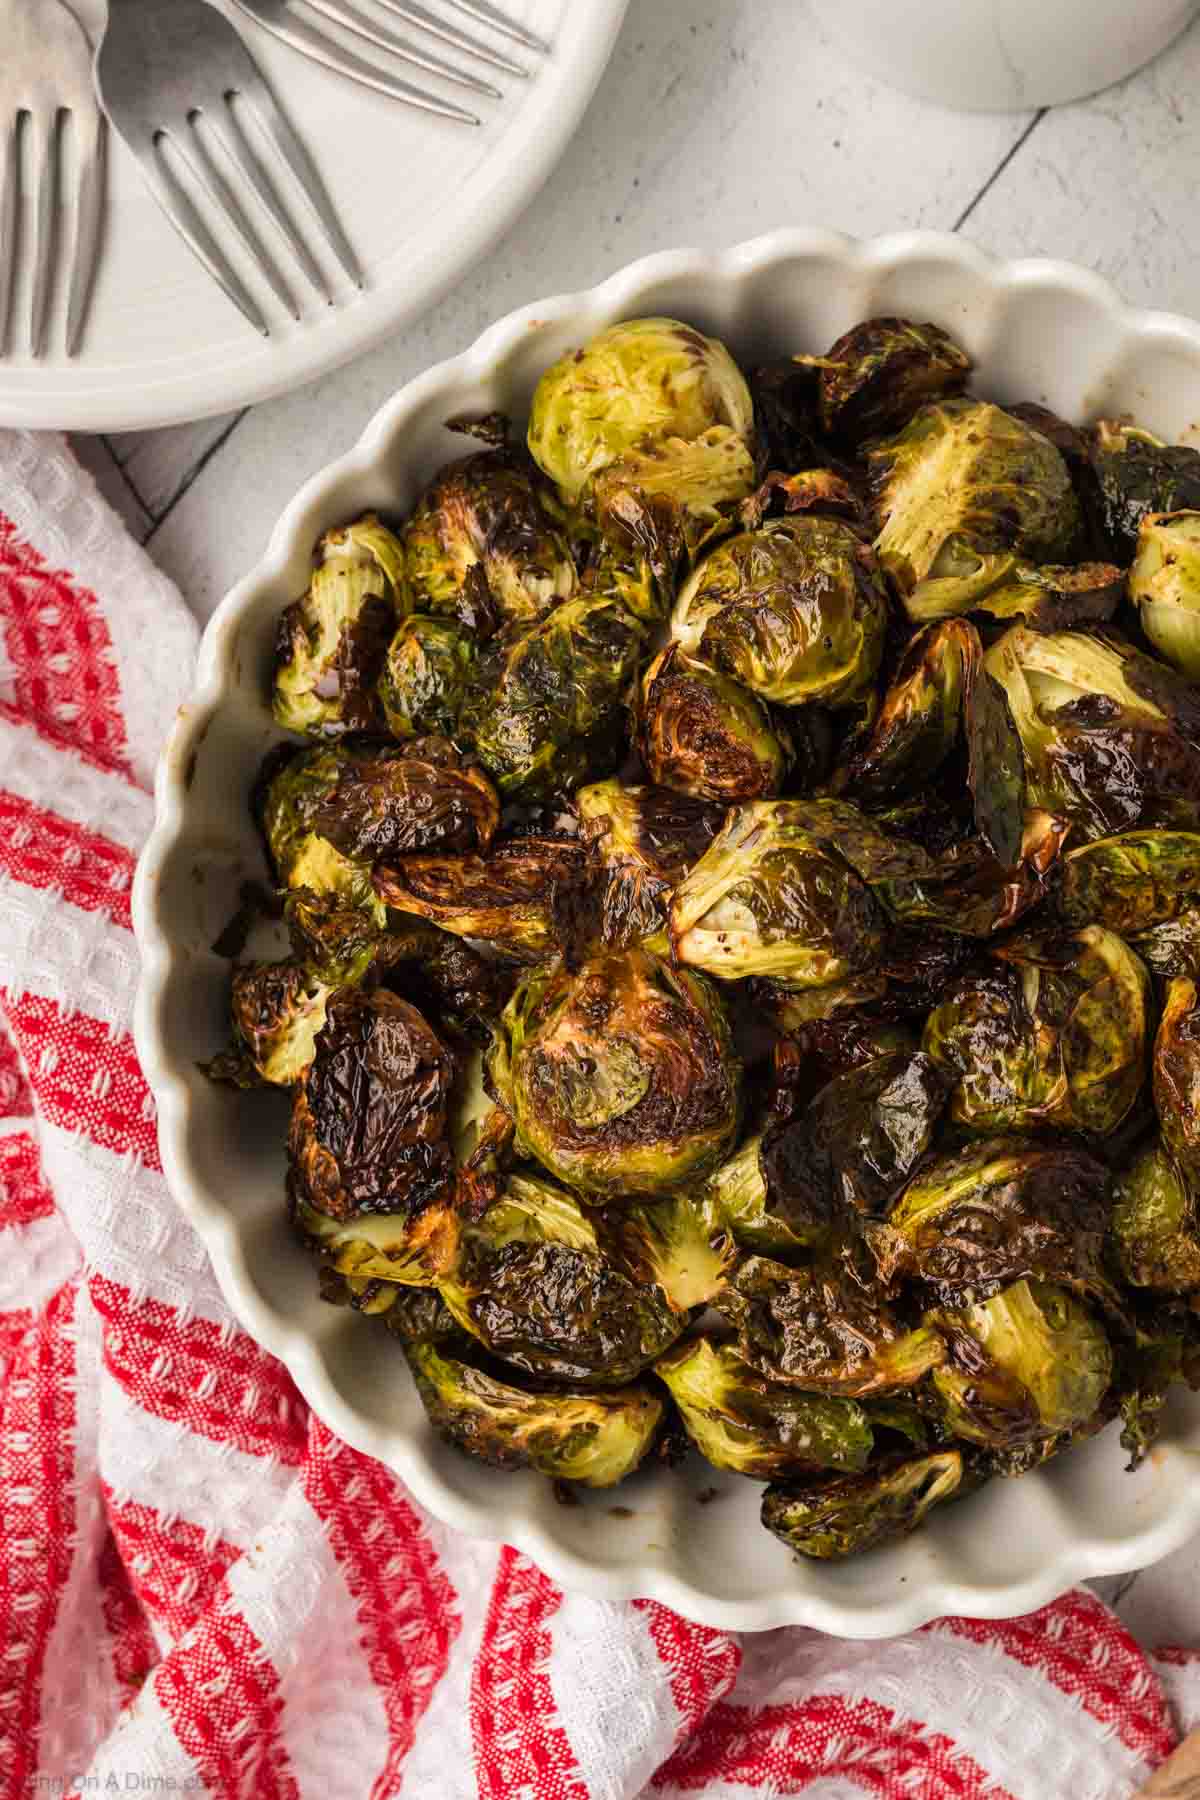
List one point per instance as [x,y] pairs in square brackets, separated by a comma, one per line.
[421,200]
[1041,331]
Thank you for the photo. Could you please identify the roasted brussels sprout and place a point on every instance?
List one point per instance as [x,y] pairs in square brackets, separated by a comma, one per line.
[505,899]
[704,734]
[1052,1032]
[839,1516]
[481,547]
[419,1316]
[1008,1209]
[1030,1363]
[331,644]
[795,611]
[278,1008]
[290,797]
[632,384]
[736,1198]
[1130,882]
[624,1079]
[545,711]
[1137,474]
[593,1438]
[1164,585]
[677,1244]
[401,802]
[425,676]
[967,891]
[444,977]
[959,494]
[646,839]
[1177,1073]
[879,372]
[1161,1352]
[1156,1224]
[751,1426]
[1171,947]
[1052,597]
[825,1328]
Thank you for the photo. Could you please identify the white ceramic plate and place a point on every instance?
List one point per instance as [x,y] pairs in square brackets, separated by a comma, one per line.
[1040,331]
[420,198]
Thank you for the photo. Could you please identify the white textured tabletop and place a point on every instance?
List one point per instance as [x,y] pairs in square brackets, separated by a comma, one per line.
[718,120]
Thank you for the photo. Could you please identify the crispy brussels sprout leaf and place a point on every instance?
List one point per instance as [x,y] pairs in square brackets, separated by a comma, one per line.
[505,899]
[996,767]
[839,1516]
[1137,474]
[635,383]
[336,942]
[704,734]
[810,490]
[290,795]
[1131,881]
[795,611]
[1056,597]
[1161,1352]
[331,644]
[879,372]
[404,802]
[738,1201]
[751,1426]
[624,1078]
[1177,1073]
[646,839]
[397,1249]
[1156,1224]
[593,1438]
[425,676]
[824,1328]
[1164,585]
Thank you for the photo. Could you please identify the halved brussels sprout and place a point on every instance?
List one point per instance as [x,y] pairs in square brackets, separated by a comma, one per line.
[1030,1363]
[505,899]
[959,494]
[638,381]
[742,1422]
[624,1079]
[1049,597]
[376,1251]
[646,838]
[1164,585]
[1156,1223]
[1006,1210]
[425,677]
[825,1328]
[545,711]
[678,1244]
[704,734]
[330,645]
[278,1009]
[1053,1033]
[737,1199]
[481,546]
[291,794]
[879,372]
[1131,881]
[1137,474]
[1177,1072]
[404,801]
[832,1517]
[967,891]
[795,611]
[537,1285]
[594,1438]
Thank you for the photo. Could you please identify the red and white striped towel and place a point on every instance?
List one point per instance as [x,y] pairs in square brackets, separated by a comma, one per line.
[201,1589]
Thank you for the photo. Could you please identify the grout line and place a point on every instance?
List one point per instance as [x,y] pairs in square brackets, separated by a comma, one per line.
[998,171]
[130,483]
[1123,1586]
[195,472]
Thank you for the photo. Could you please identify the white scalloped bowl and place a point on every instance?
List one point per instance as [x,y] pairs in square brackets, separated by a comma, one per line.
[1041,331]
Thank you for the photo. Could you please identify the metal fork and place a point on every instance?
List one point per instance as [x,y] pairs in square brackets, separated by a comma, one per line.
[45,75]
[167,67]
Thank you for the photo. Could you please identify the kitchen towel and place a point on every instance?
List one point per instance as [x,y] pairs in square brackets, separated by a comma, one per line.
[202,1591]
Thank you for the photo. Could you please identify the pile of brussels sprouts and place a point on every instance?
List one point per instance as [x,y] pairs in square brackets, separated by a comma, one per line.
[741,858]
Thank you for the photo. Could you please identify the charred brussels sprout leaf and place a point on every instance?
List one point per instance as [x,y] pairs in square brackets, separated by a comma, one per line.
[1155,1225]
[624,1079]
[878,373]
[443,976]
[481,546]
[967,891]
[738,1201]
[637,382]
[646,839]
[1132,881]
[420,1316]
[1177,1073]
[704,734]
[795,611]
[593,1438]
[397,803]
[840,1516]
[1029,1363]
[506,899]
[1161,1352]
[1054,597]
[545,712]
[1137,474]
[291,797]
[824,1328]
[1053,1033]
[959,494]
[426,673]
[331,643]
[752,1426]
[1164,585]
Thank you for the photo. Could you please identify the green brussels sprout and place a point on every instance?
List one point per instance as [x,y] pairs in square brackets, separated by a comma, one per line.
[505,899]
[335,942]
[1111,738]
[1131,881]
[278,1009]
[704,734]
[331,643]
[426,672]
[780,892]
[1136,474]
[1177,1073]
[627,580]
[832,1517]
[741,1422]
[420,1316]
[634,383]
[1053,1033]
[481,546]
[646,839]
[1156,1224]
[291,794]
[959,494]
[976,1220]
[1161,1352]
[1046,597]
[545,713]
[879,372]
[677,1244]
[624,1079]
[1171,947]
[368,1130]
[400,802]
[1028,1364]
[826,1328]
[1164,585]
[967,891]
[737,1199]
[594,1438]
[537,1285]
[795,611]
